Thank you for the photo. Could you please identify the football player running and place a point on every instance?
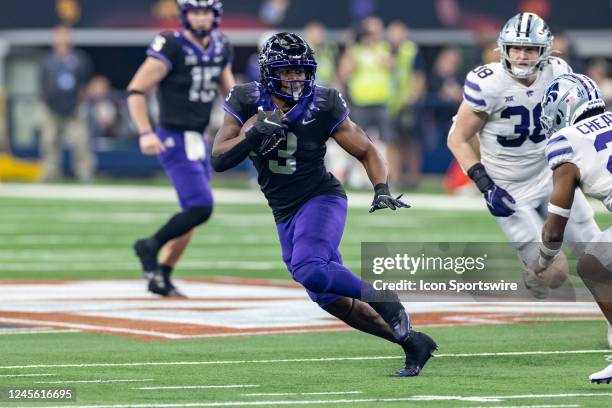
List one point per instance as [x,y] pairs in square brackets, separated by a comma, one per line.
[187,67]
[294,119]
[579,151]
[501,104]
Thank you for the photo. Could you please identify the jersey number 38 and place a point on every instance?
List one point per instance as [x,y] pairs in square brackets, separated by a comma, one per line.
[522,128]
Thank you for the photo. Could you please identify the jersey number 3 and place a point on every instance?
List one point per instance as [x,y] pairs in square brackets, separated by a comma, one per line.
[522,129]
[601,143]
[287,154]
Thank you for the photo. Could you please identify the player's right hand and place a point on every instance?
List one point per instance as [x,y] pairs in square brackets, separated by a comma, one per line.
[269,124]
[151,145]
[499,201]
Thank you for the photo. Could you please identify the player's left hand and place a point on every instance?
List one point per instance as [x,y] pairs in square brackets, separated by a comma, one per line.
[499,202]
[384,199]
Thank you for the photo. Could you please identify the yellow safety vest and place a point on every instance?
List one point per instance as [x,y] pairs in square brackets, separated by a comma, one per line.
[401,88]
[371,81]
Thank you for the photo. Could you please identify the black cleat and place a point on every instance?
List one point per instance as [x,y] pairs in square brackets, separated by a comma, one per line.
[418,348]
[148,258]
[160,284]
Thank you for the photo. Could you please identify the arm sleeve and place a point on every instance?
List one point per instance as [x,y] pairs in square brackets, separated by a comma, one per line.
[234,156]
[163,48]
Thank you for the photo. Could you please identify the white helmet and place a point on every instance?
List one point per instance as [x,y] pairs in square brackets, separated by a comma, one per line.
[525,30]
[567,98]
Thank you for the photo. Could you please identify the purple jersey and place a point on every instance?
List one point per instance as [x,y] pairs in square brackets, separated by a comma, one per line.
[186,94]
[296,171]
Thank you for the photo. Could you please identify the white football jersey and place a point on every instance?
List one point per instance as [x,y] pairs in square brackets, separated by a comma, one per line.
[587,144]
[512,141]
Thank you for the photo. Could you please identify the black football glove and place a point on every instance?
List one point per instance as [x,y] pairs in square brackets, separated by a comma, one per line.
[268,131]
[383,199]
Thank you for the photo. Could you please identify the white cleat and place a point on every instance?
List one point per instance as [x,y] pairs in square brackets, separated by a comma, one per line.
[603,376]
[609,335]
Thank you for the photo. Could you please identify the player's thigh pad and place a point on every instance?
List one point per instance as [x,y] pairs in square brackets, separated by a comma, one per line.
[581,227]
[522,229]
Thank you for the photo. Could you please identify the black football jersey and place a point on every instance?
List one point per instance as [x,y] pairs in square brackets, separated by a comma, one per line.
[295,171]
[186,94]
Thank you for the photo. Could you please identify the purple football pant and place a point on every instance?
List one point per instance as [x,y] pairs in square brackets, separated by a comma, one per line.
[309,241]
[190,178]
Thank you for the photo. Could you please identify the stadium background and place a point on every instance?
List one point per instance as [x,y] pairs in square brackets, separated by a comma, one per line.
[115,34]
[74,311]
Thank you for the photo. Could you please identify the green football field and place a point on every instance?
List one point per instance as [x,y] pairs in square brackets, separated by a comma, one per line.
[71,318]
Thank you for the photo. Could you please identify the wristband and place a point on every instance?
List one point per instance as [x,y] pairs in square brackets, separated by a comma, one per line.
[381,189]
[479,175]
[554,209]
[547,255]
[145,132]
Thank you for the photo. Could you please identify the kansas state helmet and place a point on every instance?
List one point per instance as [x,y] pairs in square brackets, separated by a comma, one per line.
[567,98]
[525,30]
[185,5]
[287,50]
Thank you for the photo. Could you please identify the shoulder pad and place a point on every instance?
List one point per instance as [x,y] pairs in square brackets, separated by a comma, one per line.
[482,85]
[248,93]
[559,66]
[559,150]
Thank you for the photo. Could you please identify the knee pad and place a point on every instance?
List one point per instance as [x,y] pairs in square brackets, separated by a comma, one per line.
[199,215]
[312,274]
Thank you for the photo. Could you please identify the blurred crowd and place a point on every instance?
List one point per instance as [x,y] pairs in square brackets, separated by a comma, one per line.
[402,95]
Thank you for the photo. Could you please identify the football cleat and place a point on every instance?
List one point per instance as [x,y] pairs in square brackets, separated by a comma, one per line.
[160,284]
[536,286]
[419,349]
[147,257]
[603,376]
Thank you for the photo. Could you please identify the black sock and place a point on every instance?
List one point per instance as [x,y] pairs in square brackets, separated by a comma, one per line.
[181,223]
[390,309]
[166,269]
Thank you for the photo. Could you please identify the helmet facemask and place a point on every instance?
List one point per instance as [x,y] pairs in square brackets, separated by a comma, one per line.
[291,89]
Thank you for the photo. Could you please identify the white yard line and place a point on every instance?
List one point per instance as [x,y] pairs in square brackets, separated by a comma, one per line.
[91,381]
[26,375]
[300,360]
[530,406]
[139,193]
[500,398]
[186,387]
[304,402]
[93,327]
[282,394]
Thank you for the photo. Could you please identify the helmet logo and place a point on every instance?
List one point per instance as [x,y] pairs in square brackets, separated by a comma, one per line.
[552,93]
